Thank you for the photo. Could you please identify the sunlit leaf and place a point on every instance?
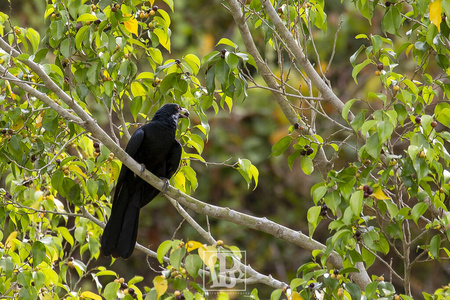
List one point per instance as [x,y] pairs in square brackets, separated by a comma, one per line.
[160,284]
[435,13]
[132,26]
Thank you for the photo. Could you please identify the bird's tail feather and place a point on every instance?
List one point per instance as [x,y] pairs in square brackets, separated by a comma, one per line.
[120,233]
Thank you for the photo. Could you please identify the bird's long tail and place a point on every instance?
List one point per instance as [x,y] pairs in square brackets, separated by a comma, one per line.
[119,236]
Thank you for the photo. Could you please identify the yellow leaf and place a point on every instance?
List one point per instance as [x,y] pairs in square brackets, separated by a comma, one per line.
[151,2]
[160,284]
[90,295]
[435,13]
[180,181]
[296,296]
[379,194]
[132,26]
[18,124]
[39,120]
[9,241]
[409,49]
[77,169]
[209,256]
[137,89]
[192,245]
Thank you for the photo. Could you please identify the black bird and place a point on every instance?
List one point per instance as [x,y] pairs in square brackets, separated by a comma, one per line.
[154,146]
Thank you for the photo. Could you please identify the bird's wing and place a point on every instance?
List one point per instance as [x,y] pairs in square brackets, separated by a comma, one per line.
[132,148]
[173,159]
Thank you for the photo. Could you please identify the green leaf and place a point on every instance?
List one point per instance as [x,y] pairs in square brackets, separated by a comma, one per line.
[176,256]
[313,218]
[34,38]
[358,68]
[435,245]
[135,106]
[66,234]
[307,165]
[38,251]
[293,157]
[281,146]
[110,291]
[418,210]
[353,290]
[137,89]
[193,264]
[222,71]
[86,17]
[373,146]
[276,294]
[162,250]
[163,37]
[346,108]
[356,202]
[135,279]
[225,41]
[391,20]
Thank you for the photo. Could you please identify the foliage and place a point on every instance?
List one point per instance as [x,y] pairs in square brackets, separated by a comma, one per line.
[106,61]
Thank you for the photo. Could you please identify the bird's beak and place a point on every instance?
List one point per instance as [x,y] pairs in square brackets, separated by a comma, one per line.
[184,113]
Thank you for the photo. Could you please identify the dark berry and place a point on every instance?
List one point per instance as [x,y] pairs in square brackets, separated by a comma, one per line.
[303,152]
[433,124]
[370,191]
[297,125]
[280,10]
[222,56]
[8,195]
[309,151]
[366,194]
[131,291]
[418,120]
[123,286]
[380,67]
[154,84]
[58,161]
[10,131]
[323,213]
[187,73]
[388,3]
[307,146]
[98,21]
[311,285]
[224,51]
[324,207]
[177,61]
[33,158]
[336,272]
[180,297]
[70,259]
[357,233]
[97,150]
[4,131]
[113,9]
[155,7]
[96,145]
[78,26]
[366,188]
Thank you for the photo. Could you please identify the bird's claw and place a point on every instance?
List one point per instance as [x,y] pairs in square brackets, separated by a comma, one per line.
[142,170]
[166,186]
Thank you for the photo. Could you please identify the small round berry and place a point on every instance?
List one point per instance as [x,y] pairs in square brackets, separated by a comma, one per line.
[380,67]
[418,120]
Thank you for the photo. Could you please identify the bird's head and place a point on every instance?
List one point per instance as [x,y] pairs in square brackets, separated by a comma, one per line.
[172,112]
